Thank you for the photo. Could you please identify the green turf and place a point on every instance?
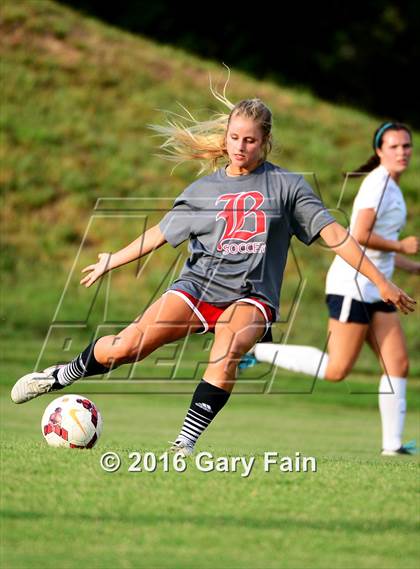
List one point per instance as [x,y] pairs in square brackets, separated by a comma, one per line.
[357,510]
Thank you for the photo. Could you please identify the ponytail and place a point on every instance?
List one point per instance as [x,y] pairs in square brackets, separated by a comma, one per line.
[370,164]
[187,139]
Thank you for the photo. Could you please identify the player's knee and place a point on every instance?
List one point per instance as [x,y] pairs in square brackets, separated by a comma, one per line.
[400,366]
[227,362]
[235,342]
[123,352]
[337,373]
[238,348]
[233,356]
[405,368]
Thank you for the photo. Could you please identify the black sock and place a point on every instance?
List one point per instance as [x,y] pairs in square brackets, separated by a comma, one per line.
[84,365]
[206,403]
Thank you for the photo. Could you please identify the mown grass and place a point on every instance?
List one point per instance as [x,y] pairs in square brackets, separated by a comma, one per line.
[356,510]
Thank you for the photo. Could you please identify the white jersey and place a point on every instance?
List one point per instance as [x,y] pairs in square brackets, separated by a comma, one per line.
[380,192]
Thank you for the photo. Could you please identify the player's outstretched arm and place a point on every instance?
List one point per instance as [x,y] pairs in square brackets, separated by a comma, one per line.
[343,244]
[152,239]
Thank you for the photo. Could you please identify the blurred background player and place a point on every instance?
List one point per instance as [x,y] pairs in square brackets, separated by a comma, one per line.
[239,221]
[357,312]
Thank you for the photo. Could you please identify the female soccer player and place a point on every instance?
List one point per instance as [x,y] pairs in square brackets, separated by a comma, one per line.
[239,221]
[356,305]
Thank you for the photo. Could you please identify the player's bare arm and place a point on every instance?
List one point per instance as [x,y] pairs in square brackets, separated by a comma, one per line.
[407,265]
[152,239]
[365,236]
[343,244]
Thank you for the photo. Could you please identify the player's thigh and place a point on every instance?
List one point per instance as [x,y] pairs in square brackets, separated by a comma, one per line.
[166,320]
[386,338]
[345,340]
[237,330]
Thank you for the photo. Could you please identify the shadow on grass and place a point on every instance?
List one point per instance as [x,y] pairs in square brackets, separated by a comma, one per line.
[206,520]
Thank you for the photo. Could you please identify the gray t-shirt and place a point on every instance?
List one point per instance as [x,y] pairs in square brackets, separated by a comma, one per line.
[239,230]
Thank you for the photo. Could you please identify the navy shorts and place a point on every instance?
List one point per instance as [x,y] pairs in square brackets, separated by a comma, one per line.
[347,309]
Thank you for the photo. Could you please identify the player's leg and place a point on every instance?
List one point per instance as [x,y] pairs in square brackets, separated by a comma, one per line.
[347,328]
[236,331]
[387,340]
[345,340]
[166,320]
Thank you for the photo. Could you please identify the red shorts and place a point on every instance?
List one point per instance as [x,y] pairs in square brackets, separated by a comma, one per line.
[209,314]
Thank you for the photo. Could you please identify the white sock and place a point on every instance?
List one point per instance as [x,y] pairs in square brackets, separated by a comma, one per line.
[392,406]
[304,359]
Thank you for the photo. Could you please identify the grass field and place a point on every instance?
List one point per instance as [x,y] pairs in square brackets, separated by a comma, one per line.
[76,98]
[357,510]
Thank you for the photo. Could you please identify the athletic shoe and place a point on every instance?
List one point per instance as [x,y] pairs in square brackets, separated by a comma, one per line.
[407,449]
[32,385]
[182,448]
[247,360]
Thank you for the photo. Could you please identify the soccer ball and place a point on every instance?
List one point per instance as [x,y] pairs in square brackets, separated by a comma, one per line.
[71,421]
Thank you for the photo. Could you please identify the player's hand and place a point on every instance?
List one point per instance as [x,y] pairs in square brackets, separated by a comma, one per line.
[392,294]
[96,270]
[410,245]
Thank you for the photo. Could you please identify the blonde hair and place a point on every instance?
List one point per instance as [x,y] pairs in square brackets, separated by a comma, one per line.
[187,139]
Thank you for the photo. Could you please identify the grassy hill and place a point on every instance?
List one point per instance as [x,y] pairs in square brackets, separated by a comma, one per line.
[77,96]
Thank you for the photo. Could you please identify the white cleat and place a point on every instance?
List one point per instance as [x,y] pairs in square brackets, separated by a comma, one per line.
[182,448]
[32,385]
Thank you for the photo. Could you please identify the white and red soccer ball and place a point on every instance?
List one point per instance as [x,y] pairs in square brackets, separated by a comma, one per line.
[71,421]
